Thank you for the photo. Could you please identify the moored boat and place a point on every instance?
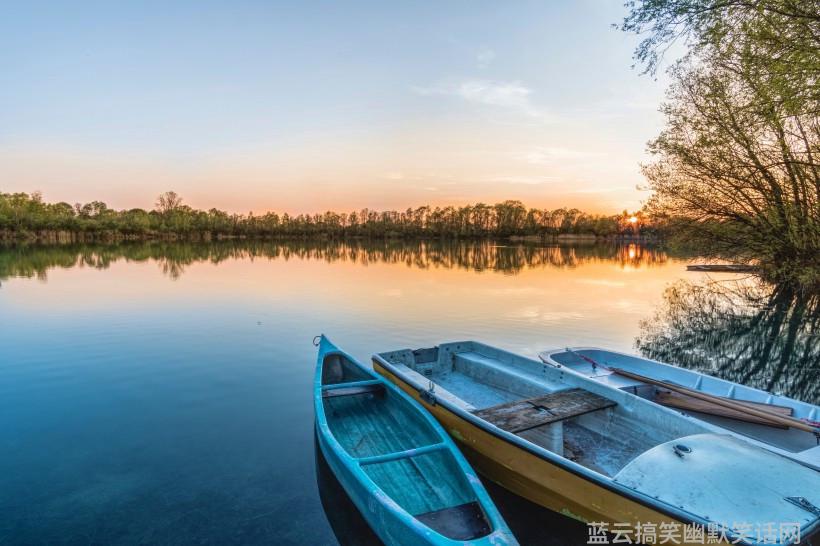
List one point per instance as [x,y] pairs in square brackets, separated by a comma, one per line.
[724,406]
[396,463]
[599,454]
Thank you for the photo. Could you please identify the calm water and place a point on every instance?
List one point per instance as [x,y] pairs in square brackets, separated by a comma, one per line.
[161,393]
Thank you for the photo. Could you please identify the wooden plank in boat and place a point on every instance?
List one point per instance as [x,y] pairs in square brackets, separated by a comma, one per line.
[684,402]
[351,391]
[529,413]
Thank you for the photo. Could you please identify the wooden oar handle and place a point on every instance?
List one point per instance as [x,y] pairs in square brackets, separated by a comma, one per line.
[782,419]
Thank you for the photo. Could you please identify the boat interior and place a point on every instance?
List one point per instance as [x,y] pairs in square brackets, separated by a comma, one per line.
[633,443]
[573,417]
[788,439]
[399,450]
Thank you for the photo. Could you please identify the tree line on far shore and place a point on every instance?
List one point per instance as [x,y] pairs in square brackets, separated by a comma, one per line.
[27,216]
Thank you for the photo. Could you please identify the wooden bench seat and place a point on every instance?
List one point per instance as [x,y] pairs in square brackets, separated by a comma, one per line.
[530,413]
[377,388]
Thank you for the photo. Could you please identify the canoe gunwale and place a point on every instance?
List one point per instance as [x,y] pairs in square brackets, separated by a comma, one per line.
[499,534]
[577,469]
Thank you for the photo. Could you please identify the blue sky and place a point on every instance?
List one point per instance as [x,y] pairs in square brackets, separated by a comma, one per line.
[305,106]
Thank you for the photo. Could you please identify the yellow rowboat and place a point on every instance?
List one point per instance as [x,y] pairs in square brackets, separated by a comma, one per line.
[604,455]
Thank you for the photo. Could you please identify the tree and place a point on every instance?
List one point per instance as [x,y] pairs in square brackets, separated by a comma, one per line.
[780,37]
[510,217]
[739,168]
[21,214]
[168,202]
[737,164]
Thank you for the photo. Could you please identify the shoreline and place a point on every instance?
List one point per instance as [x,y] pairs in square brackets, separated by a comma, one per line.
[50,237]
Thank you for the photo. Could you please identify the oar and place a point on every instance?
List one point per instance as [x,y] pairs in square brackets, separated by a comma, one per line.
[595,365]
[720,401]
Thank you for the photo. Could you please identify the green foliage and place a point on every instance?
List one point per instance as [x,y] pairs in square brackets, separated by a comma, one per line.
[778,37]
[23,214]
[737,168]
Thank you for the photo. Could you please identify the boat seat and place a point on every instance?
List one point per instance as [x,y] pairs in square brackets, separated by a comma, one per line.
[494,372]
[529,413]
[377,388]
[462,522]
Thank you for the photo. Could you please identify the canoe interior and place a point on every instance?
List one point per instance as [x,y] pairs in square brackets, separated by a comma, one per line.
[422,484]
[375,424]
[788,439]
[604,437]
[338,369]
[399,451]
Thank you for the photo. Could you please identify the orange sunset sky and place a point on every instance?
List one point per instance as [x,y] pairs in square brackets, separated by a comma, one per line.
[302,107]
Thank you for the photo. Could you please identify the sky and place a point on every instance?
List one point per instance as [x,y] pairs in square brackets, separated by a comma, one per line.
[309,106]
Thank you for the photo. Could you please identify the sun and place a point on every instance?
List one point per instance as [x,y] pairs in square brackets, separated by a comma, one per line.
[633,219]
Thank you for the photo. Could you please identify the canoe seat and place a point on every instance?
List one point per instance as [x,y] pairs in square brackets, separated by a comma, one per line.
[377,388]
[462,522]
[522,415]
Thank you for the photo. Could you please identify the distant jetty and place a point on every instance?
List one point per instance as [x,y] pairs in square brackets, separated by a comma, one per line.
[725,268]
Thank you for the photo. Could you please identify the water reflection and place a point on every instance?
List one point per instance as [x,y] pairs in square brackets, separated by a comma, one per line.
[174,257]
[348,525]
[108,361]
[746,331]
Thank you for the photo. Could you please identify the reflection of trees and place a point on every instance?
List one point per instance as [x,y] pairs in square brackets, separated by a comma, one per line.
[173,257]
[745,331]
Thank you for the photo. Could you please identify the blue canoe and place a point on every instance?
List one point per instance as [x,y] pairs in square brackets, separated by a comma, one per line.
[399,467]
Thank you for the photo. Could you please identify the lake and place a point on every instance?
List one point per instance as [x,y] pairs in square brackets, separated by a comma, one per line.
[160,393]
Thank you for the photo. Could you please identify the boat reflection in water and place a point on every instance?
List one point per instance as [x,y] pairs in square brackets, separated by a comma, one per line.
[347,523]
[761,335]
